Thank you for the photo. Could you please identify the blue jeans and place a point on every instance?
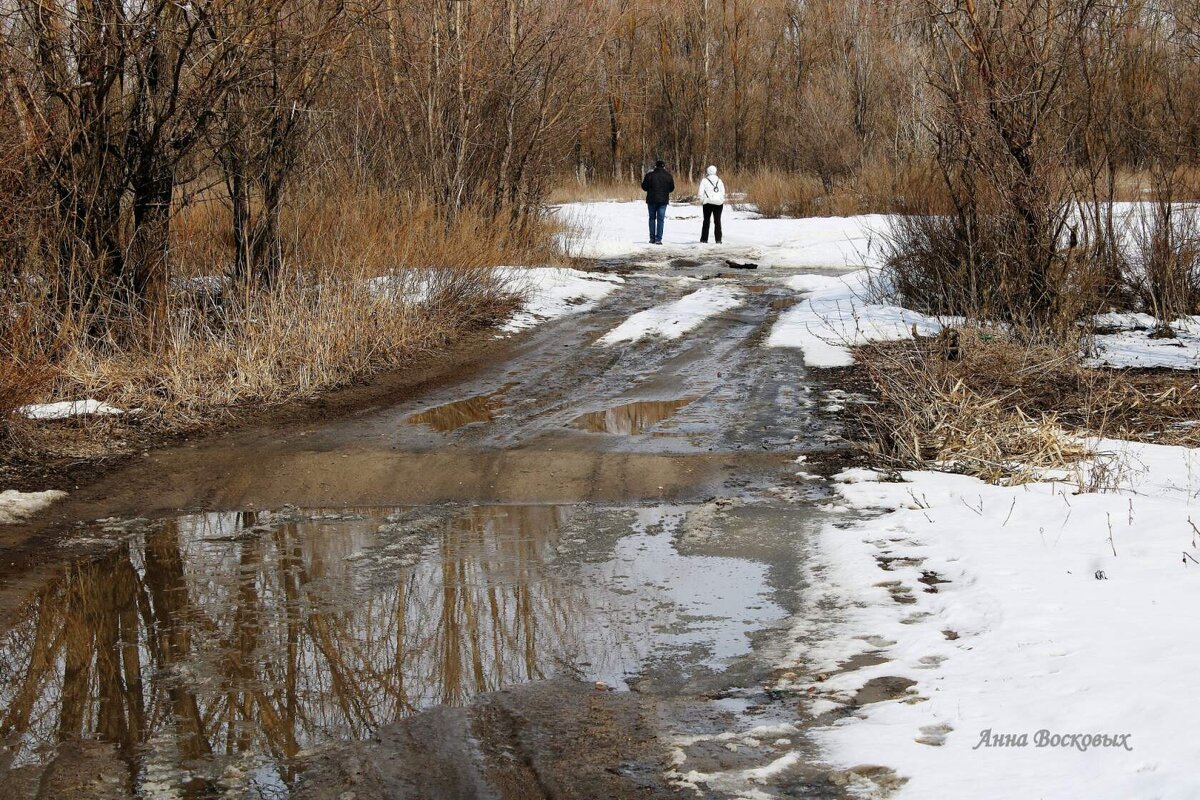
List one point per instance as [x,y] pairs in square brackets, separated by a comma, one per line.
[658,216]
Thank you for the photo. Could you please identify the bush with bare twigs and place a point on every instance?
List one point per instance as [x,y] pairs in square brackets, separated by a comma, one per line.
[25,371]
[1165,268]
[779,194]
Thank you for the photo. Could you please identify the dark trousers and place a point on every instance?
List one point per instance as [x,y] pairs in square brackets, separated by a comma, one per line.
[712,213]
[658,216]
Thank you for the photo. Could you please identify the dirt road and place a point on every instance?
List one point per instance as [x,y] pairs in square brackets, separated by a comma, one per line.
[572,572]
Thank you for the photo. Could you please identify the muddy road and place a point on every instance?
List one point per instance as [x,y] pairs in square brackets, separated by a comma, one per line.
[574,571]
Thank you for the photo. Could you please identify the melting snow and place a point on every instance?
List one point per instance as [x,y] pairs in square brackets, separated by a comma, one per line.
[554,292]
[69,408]
[835,316]
[672,320]
[1064,612]
[19,506]
[1132,344]
[619,230]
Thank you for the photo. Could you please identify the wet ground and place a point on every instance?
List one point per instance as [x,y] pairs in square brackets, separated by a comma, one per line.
[572,573]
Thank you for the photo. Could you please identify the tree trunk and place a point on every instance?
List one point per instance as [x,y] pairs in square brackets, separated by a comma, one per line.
[148,268]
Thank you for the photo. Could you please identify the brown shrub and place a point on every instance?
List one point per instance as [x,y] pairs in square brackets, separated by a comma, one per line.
[969,410]
[364,229]
[1165,269]
[877,187]
[25,369]
[783,194]
[985,403]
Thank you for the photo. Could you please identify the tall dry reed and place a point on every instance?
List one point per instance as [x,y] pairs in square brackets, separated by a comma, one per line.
[371,281]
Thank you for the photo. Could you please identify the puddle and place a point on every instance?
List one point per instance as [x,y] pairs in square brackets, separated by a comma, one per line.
[881,690]
[236,641]
[452,416]
[632,418]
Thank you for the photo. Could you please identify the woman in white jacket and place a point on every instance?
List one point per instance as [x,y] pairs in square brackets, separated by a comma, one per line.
[712,197]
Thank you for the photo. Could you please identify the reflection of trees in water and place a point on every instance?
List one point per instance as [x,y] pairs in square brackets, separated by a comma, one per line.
[632,418]
[453,416]
[267,644]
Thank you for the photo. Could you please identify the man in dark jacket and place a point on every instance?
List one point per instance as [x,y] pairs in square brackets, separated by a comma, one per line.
[658,186]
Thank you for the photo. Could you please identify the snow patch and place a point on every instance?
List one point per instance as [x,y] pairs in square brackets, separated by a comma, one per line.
[555,292]
[619,230]
[672,320]
[835,316]
[1135,347]
[69,408]
[17,506]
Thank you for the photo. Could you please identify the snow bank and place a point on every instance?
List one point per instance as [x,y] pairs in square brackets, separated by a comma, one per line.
[835,317]
[1062,612]
[551,293]
[619,230]
[68,408]
[19,506]
[1131,344]
[672,320]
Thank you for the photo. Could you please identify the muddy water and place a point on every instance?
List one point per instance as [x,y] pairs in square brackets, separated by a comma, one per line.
[452,416]
[632,418]
[238,641]
[479,537]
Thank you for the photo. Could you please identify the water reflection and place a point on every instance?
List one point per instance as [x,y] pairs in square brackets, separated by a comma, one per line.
[230,634]
[452,416]
[632,418]
[240,640]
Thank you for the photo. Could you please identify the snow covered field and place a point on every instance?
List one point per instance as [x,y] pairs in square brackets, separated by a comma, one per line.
[619,230]
[1064,612]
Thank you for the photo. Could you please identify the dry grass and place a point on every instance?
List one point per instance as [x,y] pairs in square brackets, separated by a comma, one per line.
[1005,411]
[26,356]
[573,190]
[370,283]
[307,336]
[374,231]
[876,188]
[783,194]
[967,414]
[1139,185]
[360,229]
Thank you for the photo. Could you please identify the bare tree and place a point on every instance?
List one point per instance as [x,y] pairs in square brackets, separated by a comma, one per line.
[112,99]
